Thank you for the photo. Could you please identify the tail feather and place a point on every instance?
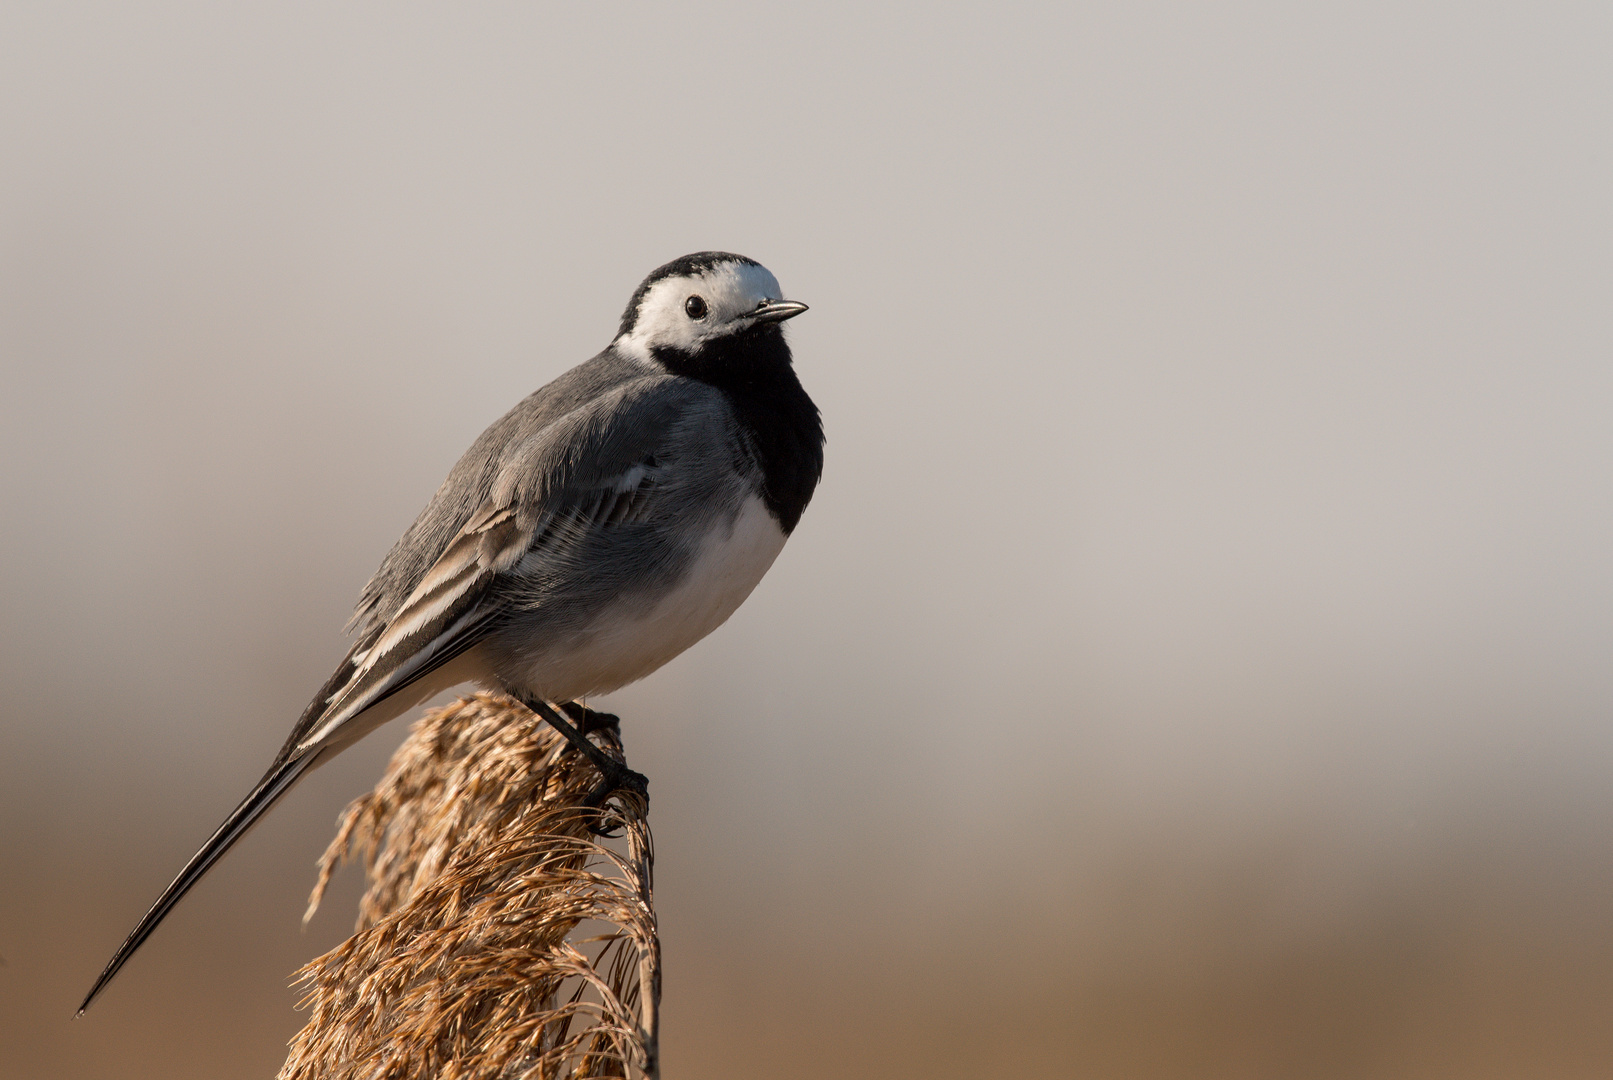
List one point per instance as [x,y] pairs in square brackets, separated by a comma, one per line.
[447,667]
[275,783]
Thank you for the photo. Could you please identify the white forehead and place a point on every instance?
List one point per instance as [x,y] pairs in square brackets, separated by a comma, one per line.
[739,285]
[730,290]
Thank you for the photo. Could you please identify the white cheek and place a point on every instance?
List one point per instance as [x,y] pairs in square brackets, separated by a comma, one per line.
[729,291]
[661,322]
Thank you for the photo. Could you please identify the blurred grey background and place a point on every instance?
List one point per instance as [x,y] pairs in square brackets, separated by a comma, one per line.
[1196,662]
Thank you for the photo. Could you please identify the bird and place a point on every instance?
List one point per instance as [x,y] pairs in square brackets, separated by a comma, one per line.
[602,526]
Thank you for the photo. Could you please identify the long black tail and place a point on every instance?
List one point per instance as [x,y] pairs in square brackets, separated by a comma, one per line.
[276,783]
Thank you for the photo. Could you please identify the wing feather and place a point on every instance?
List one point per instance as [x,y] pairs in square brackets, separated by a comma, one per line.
[438,621]
[579,456]
[544,490]
[457,597]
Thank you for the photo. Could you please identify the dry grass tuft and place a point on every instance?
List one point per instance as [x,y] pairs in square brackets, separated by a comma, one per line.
[498,938]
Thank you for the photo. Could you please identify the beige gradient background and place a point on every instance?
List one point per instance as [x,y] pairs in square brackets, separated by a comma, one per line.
[1196,662]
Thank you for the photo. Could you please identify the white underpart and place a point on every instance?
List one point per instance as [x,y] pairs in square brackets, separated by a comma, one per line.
[620,647]
[626,644]
[731,291]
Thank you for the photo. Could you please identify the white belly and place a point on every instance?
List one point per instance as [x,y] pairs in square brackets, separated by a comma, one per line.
[624,645]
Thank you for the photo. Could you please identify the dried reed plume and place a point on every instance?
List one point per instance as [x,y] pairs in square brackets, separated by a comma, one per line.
[499,937]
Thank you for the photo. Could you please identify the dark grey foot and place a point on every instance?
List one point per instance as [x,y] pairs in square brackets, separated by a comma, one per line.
[588,720]
[619,779]
[613,775]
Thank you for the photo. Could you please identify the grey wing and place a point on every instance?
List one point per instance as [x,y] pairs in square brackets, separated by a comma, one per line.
[576,462]
[548,493]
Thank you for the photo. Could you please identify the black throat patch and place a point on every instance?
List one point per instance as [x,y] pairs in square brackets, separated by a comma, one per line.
[753,367]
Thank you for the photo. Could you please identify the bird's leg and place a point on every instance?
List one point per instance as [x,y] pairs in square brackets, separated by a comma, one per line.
[588,721]
[614,776]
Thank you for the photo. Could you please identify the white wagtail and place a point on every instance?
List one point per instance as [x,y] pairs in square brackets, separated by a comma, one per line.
[601,527]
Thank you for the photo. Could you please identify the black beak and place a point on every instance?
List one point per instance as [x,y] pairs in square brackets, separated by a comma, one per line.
[776,310]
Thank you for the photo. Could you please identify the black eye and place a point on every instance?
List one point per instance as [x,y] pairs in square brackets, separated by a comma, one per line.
[696,308]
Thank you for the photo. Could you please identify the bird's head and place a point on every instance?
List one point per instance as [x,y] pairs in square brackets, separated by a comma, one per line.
[703,302]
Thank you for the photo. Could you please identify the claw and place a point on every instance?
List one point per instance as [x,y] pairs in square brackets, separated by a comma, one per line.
[605,826]
[620,779]
[614,776]
[588,720]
